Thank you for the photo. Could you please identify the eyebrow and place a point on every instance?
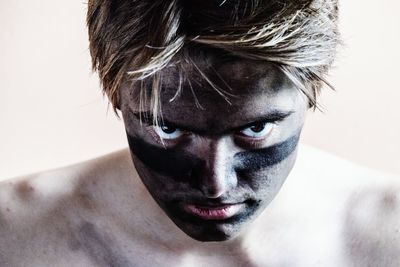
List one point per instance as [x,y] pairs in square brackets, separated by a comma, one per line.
[274,115]
[271,116]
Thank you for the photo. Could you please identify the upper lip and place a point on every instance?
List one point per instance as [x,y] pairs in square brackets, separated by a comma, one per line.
[209,204]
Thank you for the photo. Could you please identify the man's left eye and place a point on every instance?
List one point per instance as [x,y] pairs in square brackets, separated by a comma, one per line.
[168,132]
[258,130]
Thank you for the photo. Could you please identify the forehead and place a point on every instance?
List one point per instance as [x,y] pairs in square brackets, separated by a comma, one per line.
[214,90]
[237,76]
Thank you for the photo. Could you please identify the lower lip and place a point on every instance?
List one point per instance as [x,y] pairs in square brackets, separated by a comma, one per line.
[214,213]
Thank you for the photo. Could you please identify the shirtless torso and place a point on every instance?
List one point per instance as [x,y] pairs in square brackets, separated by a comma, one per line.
[214,95]
[328,213]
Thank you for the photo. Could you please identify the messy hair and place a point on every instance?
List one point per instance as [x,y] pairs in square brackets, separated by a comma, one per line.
[132,40]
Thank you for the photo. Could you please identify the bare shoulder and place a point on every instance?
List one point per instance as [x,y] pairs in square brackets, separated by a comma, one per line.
[23,199]
[38,212]
[369,206]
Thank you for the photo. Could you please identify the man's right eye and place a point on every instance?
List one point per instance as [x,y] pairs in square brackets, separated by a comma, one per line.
[168,132]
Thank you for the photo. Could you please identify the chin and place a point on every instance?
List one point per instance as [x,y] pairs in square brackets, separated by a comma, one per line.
[212,238]
[212,230]
[216,233]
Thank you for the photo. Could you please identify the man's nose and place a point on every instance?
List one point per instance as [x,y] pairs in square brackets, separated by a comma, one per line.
[218,177]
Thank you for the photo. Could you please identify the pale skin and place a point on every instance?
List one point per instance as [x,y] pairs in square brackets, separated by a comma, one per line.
[329,212]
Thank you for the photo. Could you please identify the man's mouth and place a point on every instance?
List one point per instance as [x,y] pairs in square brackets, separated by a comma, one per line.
[221,212]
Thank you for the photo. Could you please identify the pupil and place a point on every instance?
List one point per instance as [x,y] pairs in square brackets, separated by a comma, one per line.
[258,127]
[168,129]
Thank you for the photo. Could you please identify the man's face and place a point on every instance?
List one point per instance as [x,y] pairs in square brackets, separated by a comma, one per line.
[213,165]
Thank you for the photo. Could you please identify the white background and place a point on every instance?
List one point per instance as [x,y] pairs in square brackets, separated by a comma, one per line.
[52,112]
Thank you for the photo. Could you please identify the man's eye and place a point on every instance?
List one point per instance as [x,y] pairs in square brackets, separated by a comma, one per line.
[168,132]
[258,130]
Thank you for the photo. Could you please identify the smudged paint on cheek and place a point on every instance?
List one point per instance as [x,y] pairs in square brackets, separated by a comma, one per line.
[175,163]
[258,159]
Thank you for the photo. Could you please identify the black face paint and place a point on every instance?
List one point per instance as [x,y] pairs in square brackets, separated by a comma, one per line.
[170,162]
[254,160]
[181,165]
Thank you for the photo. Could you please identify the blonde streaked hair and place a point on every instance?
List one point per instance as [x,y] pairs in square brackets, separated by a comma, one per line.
[132,40]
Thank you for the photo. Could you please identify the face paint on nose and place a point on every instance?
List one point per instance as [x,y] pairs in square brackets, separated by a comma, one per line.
[169,162]
[254,160]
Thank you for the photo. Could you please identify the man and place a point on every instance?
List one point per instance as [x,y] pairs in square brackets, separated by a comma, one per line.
[214,95]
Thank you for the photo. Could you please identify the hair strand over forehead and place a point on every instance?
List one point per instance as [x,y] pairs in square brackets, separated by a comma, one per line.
[131,41]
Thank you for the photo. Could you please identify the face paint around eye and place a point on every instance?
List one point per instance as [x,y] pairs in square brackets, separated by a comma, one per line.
[257,159]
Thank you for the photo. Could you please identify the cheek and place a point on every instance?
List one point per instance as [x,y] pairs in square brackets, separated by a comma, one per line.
[260,159]
[265,170]
[158,185]
[267,183]
[167,174]
[166,162]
